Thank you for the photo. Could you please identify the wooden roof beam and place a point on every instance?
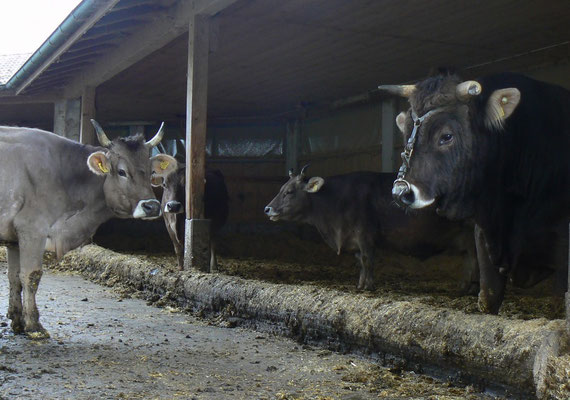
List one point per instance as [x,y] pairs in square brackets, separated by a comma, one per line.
[161,30]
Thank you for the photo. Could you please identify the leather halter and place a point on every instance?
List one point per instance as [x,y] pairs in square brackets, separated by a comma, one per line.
[409,148]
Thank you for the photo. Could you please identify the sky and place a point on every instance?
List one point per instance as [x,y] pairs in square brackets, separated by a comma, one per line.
[26,24]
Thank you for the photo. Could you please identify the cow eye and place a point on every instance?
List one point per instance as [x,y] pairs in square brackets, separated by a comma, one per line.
[289,192]
[446,138]
[122,172]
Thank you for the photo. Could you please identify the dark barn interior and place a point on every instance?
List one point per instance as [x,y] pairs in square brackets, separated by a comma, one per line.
[289,83]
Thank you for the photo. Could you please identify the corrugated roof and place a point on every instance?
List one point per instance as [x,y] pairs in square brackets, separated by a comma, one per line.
[10,64]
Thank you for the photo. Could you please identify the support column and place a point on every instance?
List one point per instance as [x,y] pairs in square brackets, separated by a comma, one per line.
[197,235]
[87,132]
[292,146]
[67,116]
[388,129]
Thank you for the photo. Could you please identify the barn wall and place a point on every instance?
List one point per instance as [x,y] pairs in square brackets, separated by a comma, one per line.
[252,155]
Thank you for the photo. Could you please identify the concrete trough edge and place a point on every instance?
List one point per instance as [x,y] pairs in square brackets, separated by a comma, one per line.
[501,351]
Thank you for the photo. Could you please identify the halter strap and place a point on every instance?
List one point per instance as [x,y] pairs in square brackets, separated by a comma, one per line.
[409,148]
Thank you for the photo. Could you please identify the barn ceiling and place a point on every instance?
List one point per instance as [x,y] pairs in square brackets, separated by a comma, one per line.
[270,57]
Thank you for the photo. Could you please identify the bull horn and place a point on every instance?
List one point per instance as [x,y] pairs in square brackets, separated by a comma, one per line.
[291,173]
[156,138]
[398,90]
[465,90]
[302,174]
[103,139]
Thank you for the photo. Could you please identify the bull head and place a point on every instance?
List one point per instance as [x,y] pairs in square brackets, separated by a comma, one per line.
[105,142]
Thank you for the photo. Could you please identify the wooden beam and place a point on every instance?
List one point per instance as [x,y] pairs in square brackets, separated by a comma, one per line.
[164,27]
[87,132]
[197,232]
[92,20]
[27,99]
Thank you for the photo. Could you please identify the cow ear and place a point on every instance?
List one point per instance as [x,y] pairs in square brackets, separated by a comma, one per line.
[401,121]
[163,165]
[501,104]
[98,163]
[314,185]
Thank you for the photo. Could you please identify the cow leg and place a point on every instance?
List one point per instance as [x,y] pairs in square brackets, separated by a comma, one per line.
[470,284]
[213,260]
[492,282]
[15,301]
[366,280]
[31,255]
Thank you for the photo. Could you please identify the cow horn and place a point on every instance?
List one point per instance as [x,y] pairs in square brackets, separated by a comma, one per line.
[291,173]
[303,170]
[398,90]
[156,138]
[465,90]
[103,139]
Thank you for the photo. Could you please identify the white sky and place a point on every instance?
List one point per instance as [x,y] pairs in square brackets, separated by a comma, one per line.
[26,24]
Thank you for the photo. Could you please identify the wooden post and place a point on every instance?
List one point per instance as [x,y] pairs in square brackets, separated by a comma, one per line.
[388,126]
[67,116]
[292,146]
[87,132]
[59,117]
[197,235]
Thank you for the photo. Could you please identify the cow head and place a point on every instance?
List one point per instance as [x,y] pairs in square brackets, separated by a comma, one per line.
[124,164]
[443,132]
[292,202]
[172,179]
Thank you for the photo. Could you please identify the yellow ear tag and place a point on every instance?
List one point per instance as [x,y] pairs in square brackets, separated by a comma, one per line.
[502,111]
[102,167]
[164,164]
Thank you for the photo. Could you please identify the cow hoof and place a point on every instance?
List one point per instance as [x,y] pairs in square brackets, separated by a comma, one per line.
[37,332]
[487,308]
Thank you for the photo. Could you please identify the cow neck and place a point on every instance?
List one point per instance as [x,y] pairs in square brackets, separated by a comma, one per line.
[320,216]
[409,148]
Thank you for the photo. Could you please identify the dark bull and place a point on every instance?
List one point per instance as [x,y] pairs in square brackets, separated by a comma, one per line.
[495,151]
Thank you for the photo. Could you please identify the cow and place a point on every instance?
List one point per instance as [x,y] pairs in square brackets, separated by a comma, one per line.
[355,213]
[495,151]
[173,178]
[55,193]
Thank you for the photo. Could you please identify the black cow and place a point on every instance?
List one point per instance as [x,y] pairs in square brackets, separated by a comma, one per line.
[495,151]
[355,212]
[216,198]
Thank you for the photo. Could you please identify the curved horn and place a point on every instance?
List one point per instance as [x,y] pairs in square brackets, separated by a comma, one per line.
[302,174]
[398,90]
[103,139]
[156,138]
[465,90]
[291,173]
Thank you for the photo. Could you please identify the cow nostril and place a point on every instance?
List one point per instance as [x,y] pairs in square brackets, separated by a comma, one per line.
[151,207]
[407,197]
[267,210]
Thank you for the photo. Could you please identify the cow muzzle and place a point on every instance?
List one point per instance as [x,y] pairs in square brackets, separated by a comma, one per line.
[147,209]
[271,213]
[409,195]
[173,207]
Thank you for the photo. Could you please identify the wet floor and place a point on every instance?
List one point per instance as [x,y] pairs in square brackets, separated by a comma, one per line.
[104,346]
